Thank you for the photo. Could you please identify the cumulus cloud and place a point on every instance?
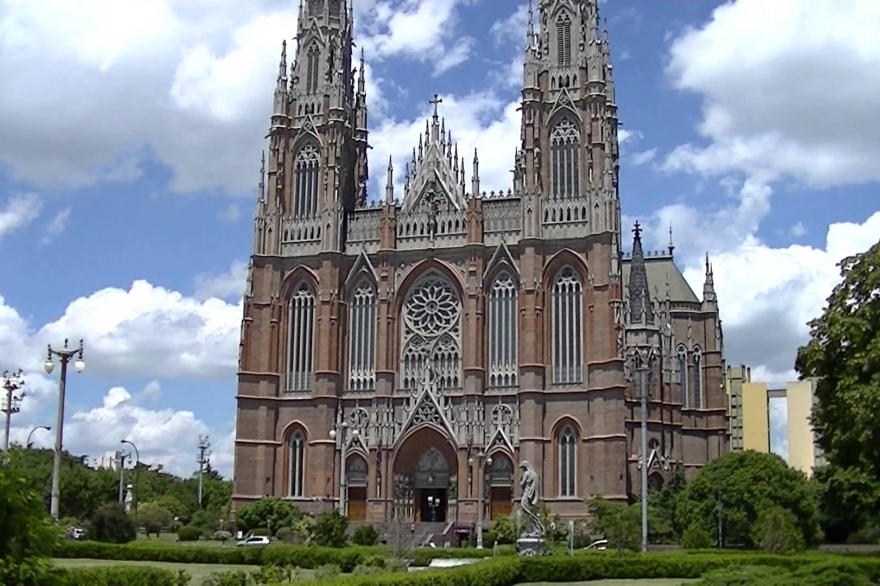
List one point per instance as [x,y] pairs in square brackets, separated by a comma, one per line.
[228,285]
[789,89]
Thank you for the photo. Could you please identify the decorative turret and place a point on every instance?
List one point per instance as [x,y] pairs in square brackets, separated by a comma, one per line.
[640,309]
[710,299]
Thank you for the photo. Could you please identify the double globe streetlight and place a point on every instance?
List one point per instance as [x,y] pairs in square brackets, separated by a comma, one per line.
[64,356]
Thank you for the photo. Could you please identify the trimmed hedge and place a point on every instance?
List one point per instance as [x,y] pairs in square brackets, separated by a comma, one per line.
[115,576]
[508,571]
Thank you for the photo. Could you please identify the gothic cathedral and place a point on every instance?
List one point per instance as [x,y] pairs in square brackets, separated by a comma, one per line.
[399,358]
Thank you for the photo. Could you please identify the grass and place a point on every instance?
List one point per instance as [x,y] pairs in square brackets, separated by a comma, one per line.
[199,572]
[171,539]
[653,582]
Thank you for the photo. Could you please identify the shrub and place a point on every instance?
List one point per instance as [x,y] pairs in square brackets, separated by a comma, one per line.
[695,537]
[365,535]
[188,533]
[330,529]
[221,536]
[116,576]
[260,531]
[268,512]
[111,524]
[153,517]
[327,571]
[777,531]
[503,530]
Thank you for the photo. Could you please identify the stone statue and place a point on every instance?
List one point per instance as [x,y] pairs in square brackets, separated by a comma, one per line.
[530,499]
[128,498]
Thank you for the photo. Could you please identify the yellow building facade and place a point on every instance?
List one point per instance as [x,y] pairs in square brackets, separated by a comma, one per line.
[750,417]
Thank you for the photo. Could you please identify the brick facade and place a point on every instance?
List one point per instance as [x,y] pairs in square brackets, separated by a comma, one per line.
[390,446]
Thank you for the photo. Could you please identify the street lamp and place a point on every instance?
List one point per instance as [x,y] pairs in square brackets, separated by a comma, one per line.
[64,356]
[642,360]
[137,473]
[30,442]
[342,446]
[483,461]
[12,382]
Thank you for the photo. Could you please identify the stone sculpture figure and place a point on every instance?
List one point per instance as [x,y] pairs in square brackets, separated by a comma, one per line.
[533,528]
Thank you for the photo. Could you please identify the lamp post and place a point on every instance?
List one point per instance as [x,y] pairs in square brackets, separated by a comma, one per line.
[137,473]
[342,446]
[30,442]
[641,360]
[12,382]
[64,356]
[482,462]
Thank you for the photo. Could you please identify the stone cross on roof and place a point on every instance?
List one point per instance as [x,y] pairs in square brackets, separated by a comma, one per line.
[435,101]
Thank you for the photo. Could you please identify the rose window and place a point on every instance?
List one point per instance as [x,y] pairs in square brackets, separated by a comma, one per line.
[432,308]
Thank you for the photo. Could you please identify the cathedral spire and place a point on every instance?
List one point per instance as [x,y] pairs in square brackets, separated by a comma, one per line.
[362,79]
[671,245]
[475,180]
[389,183]
[280,101]
[639,296]
[709,295]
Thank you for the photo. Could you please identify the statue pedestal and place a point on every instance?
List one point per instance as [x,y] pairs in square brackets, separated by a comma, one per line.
[531,546]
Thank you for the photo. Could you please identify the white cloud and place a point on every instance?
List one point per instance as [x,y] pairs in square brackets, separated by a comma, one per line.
[513,28]
[228,285]
[57,225]
[643,157]
[779,427]
[230,213]
[798,229]
[19,211]
[789,89]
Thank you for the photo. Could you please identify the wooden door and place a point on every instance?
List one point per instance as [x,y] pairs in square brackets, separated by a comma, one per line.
[500,504]
[357,504]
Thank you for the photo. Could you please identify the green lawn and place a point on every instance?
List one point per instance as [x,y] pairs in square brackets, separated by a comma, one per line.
[171,539]
[199,572]
[656,582]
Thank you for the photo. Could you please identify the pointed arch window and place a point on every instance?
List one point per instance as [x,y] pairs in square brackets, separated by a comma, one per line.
[305,188]
[563,40]
[697,379]
[503,369]
[683,377]
[566,443]
[297,464]
[564,160]
[567,299]
[362,338]
[312,59]
[300,344]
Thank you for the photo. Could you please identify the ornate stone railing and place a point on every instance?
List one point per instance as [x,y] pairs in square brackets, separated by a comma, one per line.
[565,218]
[363,229]
[300,236]
[501,218]
[421,228]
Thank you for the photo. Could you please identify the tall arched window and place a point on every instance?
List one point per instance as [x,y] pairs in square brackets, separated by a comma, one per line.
[503,369]
[300,344]
[567,449]
[306,168]
[563,40]
[567,327]
[297,464]
[312,61]
[431,334]
[697,378]
[564,160]
[362,338]
[683,377]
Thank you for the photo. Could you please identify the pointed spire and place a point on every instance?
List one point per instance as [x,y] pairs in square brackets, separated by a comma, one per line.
[709,295]
[389,183]
[639,296]
[362,76]
[530,33]
[475,179]
[280,101]
[435,126]
[671,245]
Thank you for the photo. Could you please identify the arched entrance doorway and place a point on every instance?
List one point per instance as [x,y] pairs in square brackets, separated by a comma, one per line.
[425,476]
[356,485]
[500,486]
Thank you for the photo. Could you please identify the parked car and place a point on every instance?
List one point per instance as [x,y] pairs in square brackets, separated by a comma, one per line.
[600,545]
[254,540]
[76,533]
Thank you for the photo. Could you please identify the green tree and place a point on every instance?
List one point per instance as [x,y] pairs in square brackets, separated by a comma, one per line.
[662,504]
[503,530]
[843,356]
[270,512]
[777,531]
[750,483]
[620,524]
[153,517]
[364,535]
[27,536]
[330,529]
[111,524]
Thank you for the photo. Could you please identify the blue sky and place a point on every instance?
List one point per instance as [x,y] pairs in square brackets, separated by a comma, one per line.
[132,136]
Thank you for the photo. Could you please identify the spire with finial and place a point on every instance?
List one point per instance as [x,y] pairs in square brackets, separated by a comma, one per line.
[709,295]
[671,245]
[280,101]
[389,183]
[475,179]
[362,76]
[435,126]
[639,295]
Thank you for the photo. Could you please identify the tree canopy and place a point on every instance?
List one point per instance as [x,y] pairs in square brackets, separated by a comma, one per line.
[750,483]
[843,356]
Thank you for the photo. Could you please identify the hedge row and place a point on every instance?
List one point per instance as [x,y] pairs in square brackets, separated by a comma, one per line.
[112,576]
[508,571]
[306,557]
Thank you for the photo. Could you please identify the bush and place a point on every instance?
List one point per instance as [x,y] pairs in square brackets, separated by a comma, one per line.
[365,535]
[111,524]
[260,531]
[777,531]
[188,533]
[503,530]
[330,530]
[116,576]
[221,536]
[695,537]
